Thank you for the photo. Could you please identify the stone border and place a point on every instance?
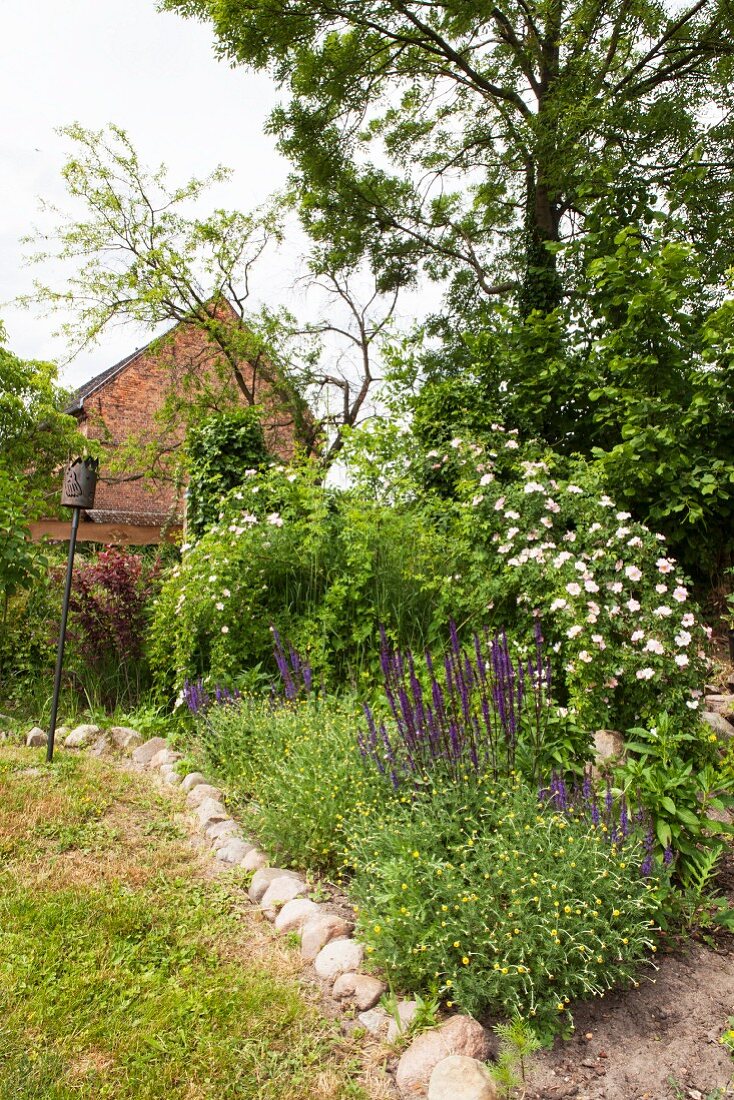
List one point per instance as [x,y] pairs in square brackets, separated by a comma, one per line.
[446,1062]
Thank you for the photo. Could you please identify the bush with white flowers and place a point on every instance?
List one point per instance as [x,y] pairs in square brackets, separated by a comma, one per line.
[615,608]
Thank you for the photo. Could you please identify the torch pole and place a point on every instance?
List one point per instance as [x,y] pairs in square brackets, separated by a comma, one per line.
[62,635]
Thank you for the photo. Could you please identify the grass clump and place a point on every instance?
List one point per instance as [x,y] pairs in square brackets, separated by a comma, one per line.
[300,762]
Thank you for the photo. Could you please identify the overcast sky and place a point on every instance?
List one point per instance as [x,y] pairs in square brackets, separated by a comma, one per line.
[100,61]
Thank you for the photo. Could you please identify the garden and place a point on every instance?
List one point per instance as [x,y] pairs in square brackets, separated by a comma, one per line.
[400,686]
[451,622]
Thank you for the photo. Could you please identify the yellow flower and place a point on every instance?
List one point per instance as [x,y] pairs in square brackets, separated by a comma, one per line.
[456,943]
[465,960]
[615,912]
[377,929]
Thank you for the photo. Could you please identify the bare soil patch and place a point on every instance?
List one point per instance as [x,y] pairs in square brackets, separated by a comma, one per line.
[657,1042]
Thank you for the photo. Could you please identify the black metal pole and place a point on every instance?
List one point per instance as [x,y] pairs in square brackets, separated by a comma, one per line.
[62,635]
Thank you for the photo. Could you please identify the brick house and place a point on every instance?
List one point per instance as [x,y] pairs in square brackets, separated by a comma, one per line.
[128,402]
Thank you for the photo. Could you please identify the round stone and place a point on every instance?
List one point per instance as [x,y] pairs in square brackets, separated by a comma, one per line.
[338,957]
[460,1078]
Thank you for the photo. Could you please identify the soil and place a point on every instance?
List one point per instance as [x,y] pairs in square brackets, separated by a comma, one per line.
[657,1042]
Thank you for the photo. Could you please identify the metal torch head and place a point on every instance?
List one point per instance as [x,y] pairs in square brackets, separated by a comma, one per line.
[80,482]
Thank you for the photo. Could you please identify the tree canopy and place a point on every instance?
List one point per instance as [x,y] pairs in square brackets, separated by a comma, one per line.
[468,140]
[36,436]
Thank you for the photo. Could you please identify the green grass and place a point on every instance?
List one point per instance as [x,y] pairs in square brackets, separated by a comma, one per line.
[126,969]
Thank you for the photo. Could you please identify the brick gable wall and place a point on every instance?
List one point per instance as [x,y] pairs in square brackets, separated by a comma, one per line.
[125,407]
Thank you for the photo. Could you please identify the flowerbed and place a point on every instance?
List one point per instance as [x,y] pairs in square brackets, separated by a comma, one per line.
[486,626]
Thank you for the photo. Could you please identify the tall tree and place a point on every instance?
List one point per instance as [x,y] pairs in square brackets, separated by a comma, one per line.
[468,139]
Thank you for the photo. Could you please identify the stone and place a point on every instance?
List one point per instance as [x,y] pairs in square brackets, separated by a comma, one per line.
[608,744]
[196,796]
[143,754]
[718,724]
[361,990]
[210,812]
[227,838]
[102,746]
[294,914]
[263,878]
[405,1013]
[164,756]
[458,1035]
[460,1078]
[320,930]
[234,851]
[173,779]
[375,1021]
[338,957]
[254,860]
[721,704]
[61,732]
[166,769]
[280,891]
[36,738]
[81,736]
[222,832]
[124,738]
[193,779]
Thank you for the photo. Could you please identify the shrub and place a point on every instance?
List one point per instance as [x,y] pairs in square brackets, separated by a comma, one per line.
[28,640]
[616,610]
[108,622]
[326,568]
[498,902]
[518,543]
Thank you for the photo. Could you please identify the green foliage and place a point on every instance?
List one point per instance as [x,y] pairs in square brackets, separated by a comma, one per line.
[520,539]
[20,562]
[36,437]
[467,143]
[615,610]
[669,772]
[500,904]
[518,1042]
[325,567]
[27,640]
[632,372]
[221,453]
[300,763]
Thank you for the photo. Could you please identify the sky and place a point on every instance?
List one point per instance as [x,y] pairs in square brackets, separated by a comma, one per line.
[96,62]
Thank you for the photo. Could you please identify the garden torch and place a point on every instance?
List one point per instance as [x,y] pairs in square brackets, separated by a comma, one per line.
[80,481]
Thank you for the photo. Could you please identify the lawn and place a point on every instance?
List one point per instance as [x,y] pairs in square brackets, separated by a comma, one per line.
[128,968]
